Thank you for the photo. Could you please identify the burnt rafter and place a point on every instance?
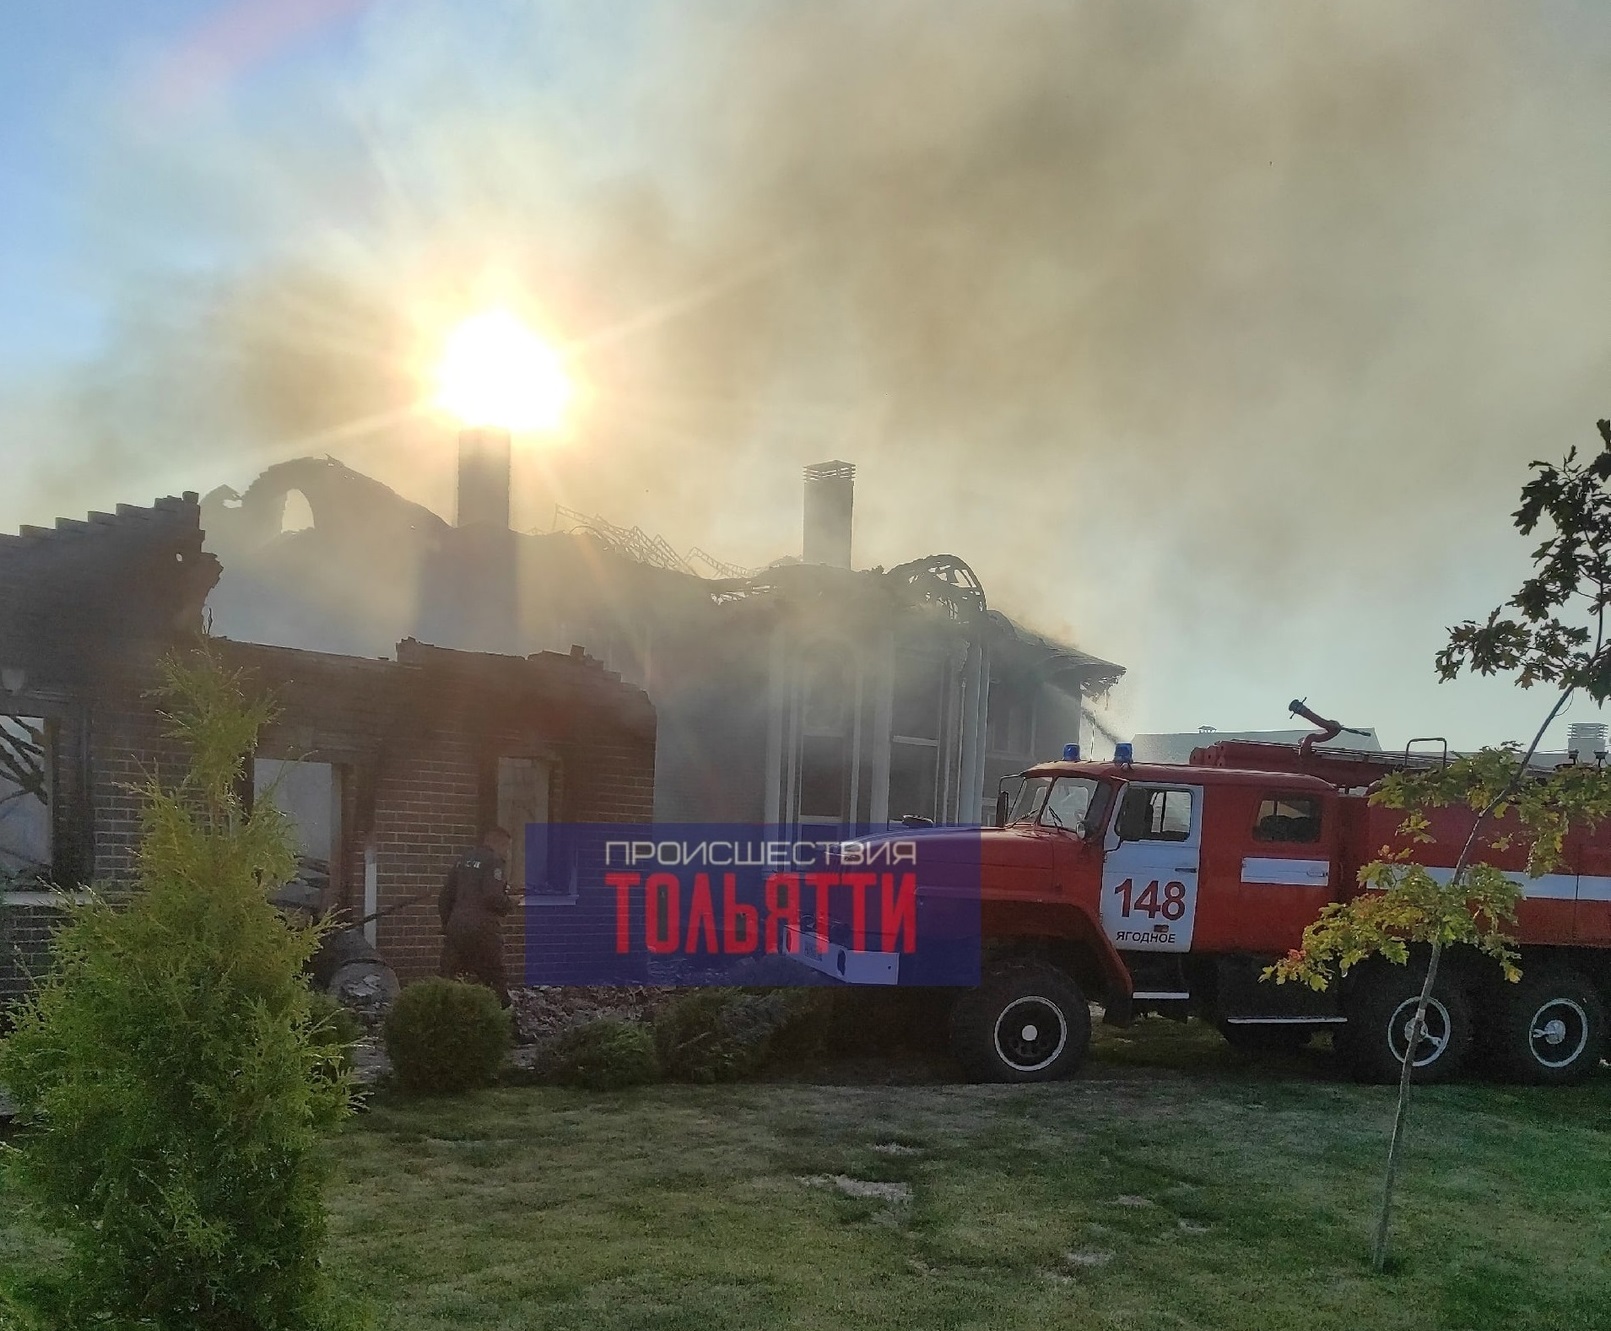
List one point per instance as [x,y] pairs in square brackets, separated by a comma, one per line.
[1045,659]
[947,582]
[944,582]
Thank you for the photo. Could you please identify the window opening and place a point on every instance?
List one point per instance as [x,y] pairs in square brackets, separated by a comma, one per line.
[27,794]
[1288,819]
[525,798]
[1155,815]
[916,723]
[309,795]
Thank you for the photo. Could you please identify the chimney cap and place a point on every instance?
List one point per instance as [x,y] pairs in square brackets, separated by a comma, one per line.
[831,471]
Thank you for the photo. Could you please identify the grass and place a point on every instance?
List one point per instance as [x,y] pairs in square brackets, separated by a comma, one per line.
[1174,1184]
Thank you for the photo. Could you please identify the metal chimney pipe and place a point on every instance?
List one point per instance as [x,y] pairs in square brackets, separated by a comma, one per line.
[484,477]
[1584,740]
[830,497]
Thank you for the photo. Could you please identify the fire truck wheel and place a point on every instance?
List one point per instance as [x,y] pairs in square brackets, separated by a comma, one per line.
[1379,1015]
[1026,1022]
[1551,1028]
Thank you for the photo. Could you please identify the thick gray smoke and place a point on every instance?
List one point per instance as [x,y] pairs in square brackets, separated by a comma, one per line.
[1215,336]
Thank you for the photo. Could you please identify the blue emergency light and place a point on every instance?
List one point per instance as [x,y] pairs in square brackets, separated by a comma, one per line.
[1071,753]
[1124,754]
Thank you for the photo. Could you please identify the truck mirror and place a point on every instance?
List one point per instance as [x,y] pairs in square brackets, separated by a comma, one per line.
[1001,808]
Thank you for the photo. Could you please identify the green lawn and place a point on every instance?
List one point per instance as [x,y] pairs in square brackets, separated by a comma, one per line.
[1172,1185]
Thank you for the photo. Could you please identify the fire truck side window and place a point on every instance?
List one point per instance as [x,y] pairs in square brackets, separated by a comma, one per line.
[1155,815]
[1292,819]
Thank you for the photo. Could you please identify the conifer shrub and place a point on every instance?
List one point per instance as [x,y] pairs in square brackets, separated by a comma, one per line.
[807,1016]
[711,1035]
[172,1077]
[446,1036]
[604,1055]
[337,1024]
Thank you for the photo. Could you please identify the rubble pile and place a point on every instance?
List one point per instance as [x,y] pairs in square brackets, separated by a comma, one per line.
[543,1012]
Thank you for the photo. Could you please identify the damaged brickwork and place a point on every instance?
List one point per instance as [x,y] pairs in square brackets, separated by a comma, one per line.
[417,753]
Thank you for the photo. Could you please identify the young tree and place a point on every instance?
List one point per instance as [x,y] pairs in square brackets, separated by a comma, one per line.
[171,1076]
[1551,633]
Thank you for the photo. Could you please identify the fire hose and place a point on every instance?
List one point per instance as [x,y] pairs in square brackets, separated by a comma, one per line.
[386,910]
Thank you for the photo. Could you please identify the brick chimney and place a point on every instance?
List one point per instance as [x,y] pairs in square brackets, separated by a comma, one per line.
[830,495]
[484,478]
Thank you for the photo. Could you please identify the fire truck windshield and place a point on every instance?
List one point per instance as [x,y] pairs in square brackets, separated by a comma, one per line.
[1062,801]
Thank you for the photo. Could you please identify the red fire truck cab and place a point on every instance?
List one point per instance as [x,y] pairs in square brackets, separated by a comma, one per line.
[1169,889]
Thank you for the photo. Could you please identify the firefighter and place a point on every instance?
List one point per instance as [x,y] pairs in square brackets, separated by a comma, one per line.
[474,898]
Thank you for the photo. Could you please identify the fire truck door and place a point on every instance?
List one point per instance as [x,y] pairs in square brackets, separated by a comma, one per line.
[1590,852]
[1593,920]
[1150,868]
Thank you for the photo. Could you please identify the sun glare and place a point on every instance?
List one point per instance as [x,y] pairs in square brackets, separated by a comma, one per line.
[496,373]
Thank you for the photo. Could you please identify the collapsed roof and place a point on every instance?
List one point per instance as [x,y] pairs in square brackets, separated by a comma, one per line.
[375,567]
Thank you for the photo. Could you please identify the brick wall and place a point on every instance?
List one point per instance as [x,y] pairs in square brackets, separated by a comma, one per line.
[416,746]
[26,924]
[429,812]
[127,748]
[419,744]
[615,784]
[97,822]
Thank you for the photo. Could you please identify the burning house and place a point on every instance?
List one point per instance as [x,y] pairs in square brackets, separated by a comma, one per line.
[808,692]
[805,692]
[388,768]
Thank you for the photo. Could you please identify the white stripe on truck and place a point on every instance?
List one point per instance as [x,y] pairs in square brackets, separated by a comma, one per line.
[1286,873]
[1546,887]
[1593,887]
[1317,873]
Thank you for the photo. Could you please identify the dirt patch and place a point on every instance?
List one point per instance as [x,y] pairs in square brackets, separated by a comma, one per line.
[896,1194]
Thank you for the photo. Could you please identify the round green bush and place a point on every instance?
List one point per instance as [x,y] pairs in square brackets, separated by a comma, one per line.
[446,1036]
[604,1055]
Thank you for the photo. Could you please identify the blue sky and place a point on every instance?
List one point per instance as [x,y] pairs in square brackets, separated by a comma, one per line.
[1217,338]
[55,61]
[47,55]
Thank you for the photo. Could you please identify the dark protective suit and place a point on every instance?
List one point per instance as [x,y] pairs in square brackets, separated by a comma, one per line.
[472,903]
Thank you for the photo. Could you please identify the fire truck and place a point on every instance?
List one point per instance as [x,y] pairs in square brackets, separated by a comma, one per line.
[1169,889]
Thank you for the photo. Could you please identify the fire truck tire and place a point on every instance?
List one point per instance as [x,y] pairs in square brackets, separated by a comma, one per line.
[1550,1028]
[1379,1013]
[1025,1022]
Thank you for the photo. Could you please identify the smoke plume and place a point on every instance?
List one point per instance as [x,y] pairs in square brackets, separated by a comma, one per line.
[1216,337]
